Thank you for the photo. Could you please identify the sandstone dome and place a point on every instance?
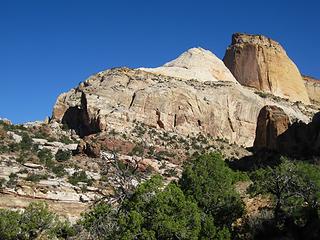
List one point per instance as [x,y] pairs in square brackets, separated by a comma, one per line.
[196,63]
[259,62]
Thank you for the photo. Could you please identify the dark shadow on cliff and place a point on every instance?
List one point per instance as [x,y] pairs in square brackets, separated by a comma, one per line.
[76,119]
[258,159]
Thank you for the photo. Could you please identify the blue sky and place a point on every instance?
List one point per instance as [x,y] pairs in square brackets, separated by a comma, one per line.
[48,47]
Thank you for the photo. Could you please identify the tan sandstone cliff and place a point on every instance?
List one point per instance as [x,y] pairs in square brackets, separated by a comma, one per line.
[260,62]
[313,88]
[192,94]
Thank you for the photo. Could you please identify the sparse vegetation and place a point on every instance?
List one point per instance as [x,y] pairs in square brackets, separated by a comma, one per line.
[59,170]
[36,177]
[35,222]
[138,150]
[45,156]
[62,156]
[80,176]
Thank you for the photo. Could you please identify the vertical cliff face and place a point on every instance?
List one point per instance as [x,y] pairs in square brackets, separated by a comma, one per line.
[313,88]
[259,62]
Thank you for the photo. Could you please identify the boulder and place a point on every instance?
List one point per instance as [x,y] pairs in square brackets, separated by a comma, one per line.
[261,63]
[90,148]
[272,122]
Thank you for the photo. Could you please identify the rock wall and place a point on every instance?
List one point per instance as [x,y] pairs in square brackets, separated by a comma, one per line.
[259,62]
[275,132]
[313,88]
[116,98]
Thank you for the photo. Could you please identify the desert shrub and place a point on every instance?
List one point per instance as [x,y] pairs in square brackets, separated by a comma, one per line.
[41,134]
[4,148]
[261,94]
[2,183]
[163,155]
[66,140]
[13,178]
[36,222]
[63,230]
[11,127]
[62,156]
[170,173]
[36,177]
[58,170]
[26,142]
[137,150]
[80,176]
[35,219]
[9,224]
[294,188]
[45,156]
[14,147]
[100,221]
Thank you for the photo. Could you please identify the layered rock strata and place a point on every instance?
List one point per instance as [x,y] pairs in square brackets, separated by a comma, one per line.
[210,102]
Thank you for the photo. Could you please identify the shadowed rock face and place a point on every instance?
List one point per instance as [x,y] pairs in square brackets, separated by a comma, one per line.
[272,122]
[259,62]
[301,139]
[274,132]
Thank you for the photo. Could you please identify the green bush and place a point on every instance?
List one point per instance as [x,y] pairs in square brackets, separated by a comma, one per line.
[9,224]
[45,156]
[13,178]
[59,170]
[152,212]
[26,142]
[100,221]
[294,188]
[36,177]
[36,222]
[66,140]
[208,181]
[63,156]
[4,148]
[80,176]
[35,219]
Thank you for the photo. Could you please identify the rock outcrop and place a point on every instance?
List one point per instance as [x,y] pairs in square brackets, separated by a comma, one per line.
[313,88]
[194,94]
[272,122]
[90,148]
[275,132]
[301,139]
[260,62]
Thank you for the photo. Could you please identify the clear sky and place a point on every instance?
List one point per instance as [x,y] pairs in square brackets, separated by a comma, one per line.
[49,46]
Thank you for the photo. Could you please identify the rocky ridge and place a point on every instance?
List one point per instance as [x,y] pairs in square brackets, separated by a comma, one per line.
[215,105]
